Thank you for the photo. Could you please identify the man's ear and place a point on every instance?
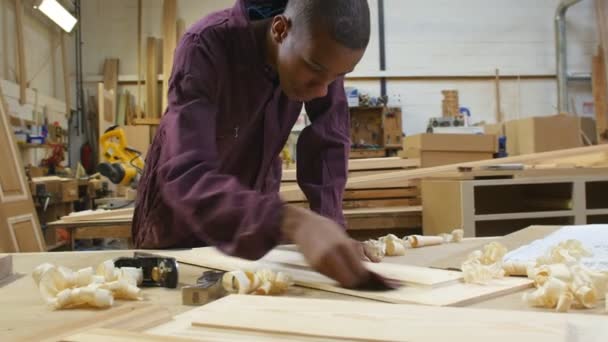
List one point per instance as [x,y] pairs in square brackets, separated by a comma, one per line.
[280,27]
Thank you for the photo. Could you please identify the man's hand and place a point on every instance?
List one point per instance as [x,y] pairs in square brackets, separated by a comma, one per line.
[326,246]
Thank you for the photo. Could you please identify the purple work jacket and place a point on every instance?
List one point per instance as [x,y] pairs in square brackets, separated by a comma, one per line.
[213,170]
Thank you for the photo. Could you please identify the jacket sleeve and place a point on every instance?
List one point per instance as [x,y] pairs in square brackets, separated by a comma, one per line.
[322,152]
[217,208]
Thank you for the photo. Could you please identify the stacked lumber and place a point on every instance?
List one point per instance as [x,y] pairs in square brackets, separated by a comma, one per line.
[450,103]
[374,211]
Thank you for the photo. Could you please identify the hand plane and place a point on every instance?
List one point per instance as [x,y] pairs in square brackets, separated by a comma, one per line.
[157,271]
[208,288]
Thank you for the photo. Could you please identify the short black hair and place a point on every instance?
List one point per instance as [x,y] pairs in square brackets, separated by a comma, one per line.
[347,21]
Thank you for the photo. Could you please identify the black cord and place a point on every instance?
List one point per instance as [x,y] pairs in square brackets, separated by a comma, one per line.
[140,171]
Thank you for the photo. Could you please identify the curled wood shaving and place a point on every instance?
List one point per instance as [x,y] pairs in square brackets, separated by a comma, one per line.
[563,282]
[60,287]
[394,245]
[375,248]
[483,266]
[262,282]
[421,241]
[391,245]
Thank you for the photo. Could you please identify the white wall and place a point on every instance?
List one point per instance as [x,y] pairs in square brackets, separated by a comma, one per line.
[473,38]
[423,38]
[43,68]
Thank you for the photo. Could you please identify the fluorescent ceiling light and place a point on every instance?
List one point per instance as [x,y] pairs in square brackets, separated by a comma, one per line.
[58,14]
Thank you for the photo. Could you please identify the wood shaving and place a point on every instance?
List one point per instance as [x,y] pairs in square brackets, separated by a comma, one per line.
[563,282]
[483,266]
[391,245]
[262,282]
[417,241]
[375,248]
[60,287]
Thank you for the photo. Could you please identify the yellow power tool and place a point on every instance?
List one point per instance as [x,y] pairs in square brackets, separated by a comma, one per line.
[124,165]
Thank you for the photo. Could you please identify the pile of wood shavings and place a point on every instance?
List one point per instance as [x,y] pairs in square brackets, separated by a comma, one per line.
[563,282]
[62,288]
[391,245]
[262,282]
[482,266]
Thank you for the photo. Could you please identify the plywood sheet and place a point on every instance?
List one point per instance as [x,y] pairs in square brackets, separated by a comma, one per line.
[448,295]
[410,275]
[235,318]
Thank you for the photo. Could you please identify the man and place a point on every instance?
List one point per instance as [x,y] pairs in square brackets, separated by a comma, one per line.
[239,81]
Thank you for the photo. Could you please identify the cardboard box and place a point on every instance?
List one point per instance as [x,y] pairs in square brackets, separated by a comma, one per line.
[444,149]
[69,190]
[542,134]
[589,128]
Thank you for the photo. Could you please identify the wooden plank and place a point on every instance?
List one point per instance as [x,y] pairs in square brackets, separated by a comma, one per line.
[333,320]
[110,74]
[147,121]
[358,154]
[102,232]
[367,164]
[113,335]
[366,212]
[151,78]
[499,117]
[66,74]
[383,222]
[407,275]
[400,178]
[381,203]
[22,60]
[458,294]
[350,194]
[96,214]
[139,105]
[181,29]
[600,91]
[127,317]
[169,22]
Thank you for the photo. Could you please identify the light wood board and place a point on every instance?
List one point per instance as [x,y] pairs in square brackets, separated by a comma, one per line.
[448,295]
[367,164]
[152,78]
[407,275]
[22,61]
[97,214]
[169,21]
[256,318]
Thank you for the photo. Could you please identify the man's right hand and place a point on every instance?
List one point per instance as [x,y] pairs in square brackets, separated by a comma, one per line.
[326,246]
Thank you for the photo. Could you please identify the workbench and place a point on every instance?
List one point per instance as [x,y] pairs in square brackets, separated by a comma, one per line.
[24,315]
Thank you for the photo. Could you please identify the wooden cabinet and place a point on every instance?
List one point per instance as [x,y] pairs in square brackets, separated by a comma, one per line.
[501,206]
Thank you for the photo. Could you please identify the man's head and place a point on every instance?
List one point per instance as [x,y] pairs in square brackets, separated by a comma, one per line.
[316,42]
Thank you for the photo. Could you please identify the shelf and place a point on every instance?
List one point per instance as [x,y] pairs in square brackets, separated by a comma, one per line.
[504,227]
[596,212]
[521,198]
[26,145]
[146,121]
[531,215]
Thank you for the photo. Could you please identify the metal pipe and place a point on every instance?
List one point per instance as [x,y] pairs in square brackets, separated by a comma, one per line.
[561,53]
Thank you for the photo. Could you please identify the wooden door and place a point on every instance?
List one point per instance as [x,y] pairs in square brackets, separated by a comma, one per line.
[19,225]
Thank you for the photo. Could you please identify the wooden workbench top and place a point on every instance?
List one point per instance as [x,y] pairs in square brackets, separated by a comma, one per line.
[23,315]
